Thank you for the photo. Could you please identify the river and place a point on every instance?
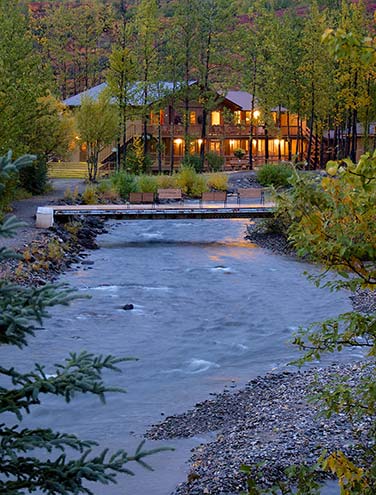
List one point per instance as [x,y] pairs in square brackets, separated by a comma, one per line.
[210,311]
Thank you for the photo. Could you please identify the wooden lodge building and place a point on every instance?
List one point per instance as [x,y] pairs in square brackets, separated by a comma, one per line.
[230,126]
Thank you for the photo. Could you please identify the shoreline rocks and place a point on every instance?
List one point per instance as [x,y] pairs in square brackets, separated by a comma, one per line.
[269,420]
[53,252]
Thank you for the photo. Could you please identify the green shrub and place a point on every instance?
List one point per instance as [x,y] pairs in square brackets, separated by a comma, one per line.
[9,178]
[239,153]
[192,161]
[8,193]
[166,181]
[90,196]
[137,162]
[217,181]
[124,184]
[191,183]
[276,175]
[34,177]
[198,187]
[147,183]
[214,161]
[107,191]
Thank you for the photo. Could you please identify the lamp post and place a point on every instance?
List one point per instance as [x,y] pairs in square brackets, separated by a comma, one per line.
[116,150]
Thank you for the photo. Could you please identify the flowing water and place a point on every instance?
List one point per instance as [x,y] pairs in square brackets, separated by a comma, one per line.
[211,311]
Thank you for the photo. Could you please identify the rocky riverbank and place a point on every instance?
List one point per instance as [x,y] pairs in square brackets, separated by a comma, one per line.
[52,252]
[269,421]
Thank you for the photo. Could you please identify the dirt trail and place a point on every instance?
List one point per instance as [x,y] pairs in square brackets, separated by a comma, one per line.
[25,211]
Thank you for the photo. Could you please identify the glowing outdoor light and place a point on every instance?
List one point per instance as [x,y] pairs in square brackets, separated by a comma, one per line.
[199,142]
[256,114]
[178,141]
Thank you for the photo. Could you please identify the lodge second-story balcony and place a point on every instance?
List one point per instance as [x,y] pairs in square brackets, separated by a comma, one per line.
[219,131]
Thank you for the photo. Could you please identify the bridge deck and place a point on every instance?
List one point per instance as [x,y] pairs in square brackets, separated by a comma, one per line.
[45,215]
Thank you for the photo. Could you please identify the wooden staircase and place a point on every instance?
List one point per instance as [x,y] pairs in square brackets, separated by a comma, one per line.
[314,160]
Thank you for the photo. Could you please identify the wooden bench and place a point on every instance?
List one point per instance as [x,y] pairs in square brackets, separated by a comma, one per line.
[251,193]
[216,196]
[139,197]
[169,194]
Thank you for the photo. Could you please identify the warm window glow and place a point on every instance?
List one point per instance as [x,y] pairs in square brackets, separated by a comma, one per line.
[199,141]
[192,118]
[215,146]
[232,144]
[178,141]
[216,118]
[256,114]
[237,117]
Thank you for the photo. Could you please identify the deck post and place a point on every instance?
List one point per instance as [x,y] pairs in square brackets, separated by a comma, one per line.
[45,217]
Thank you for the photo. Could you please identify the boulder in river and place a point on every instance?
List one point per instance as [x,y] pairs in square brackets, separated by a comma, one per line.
[127,307]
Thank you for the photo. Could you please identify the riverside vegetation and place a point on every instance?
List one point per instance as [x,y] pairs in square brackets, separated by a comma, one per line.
[118,186]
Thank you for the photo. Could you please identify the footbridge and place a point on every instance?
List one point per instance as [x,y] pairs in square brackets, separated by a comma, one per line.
[46,215]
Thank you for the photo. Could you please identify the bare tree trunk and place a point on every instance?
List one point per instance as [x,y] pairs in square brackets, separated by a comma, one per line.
[250,154]
[312,120]
[315,163]
[289,138]
[159,145]
[354,133]
[266,145]
[354,136]
[203,138]
[279,127]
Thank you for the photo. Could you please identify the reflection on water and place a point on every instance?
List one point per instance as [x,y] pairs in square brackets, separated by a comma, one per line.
[210,310]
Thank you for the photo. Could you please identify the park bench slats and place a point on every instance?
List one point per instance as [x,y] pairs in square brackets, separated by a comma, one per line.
[251,193]
[139,197]
[169,194]
[135,197]
[148,197]
[216,196]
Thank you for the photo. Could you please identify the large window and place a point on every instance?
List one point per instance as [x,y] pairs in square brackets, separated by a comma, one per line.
[237,117]
[216,118]
[157,117]
[215,146]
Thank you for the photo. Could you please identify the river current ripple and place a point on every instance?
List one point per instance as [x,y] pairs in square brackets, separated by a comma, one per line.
[210,311]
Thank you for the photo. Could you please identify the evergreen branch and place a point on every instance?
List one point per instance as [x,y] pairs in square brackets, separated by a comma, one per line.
[8,228]
[81,373]
[64,476]
[16,440]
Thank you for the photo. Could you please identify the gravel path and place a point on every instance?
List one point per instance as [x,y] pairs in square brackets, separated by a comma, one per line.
[25,211]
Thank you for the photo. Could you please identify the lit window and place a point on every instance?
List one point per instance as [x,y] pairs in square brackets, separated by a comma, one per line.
[216,118]
[192,118]
[215,146]
[237,117]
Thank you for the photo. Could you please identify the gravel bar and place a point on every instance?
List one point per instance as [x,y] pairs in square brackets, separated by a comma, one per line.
[269,420]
